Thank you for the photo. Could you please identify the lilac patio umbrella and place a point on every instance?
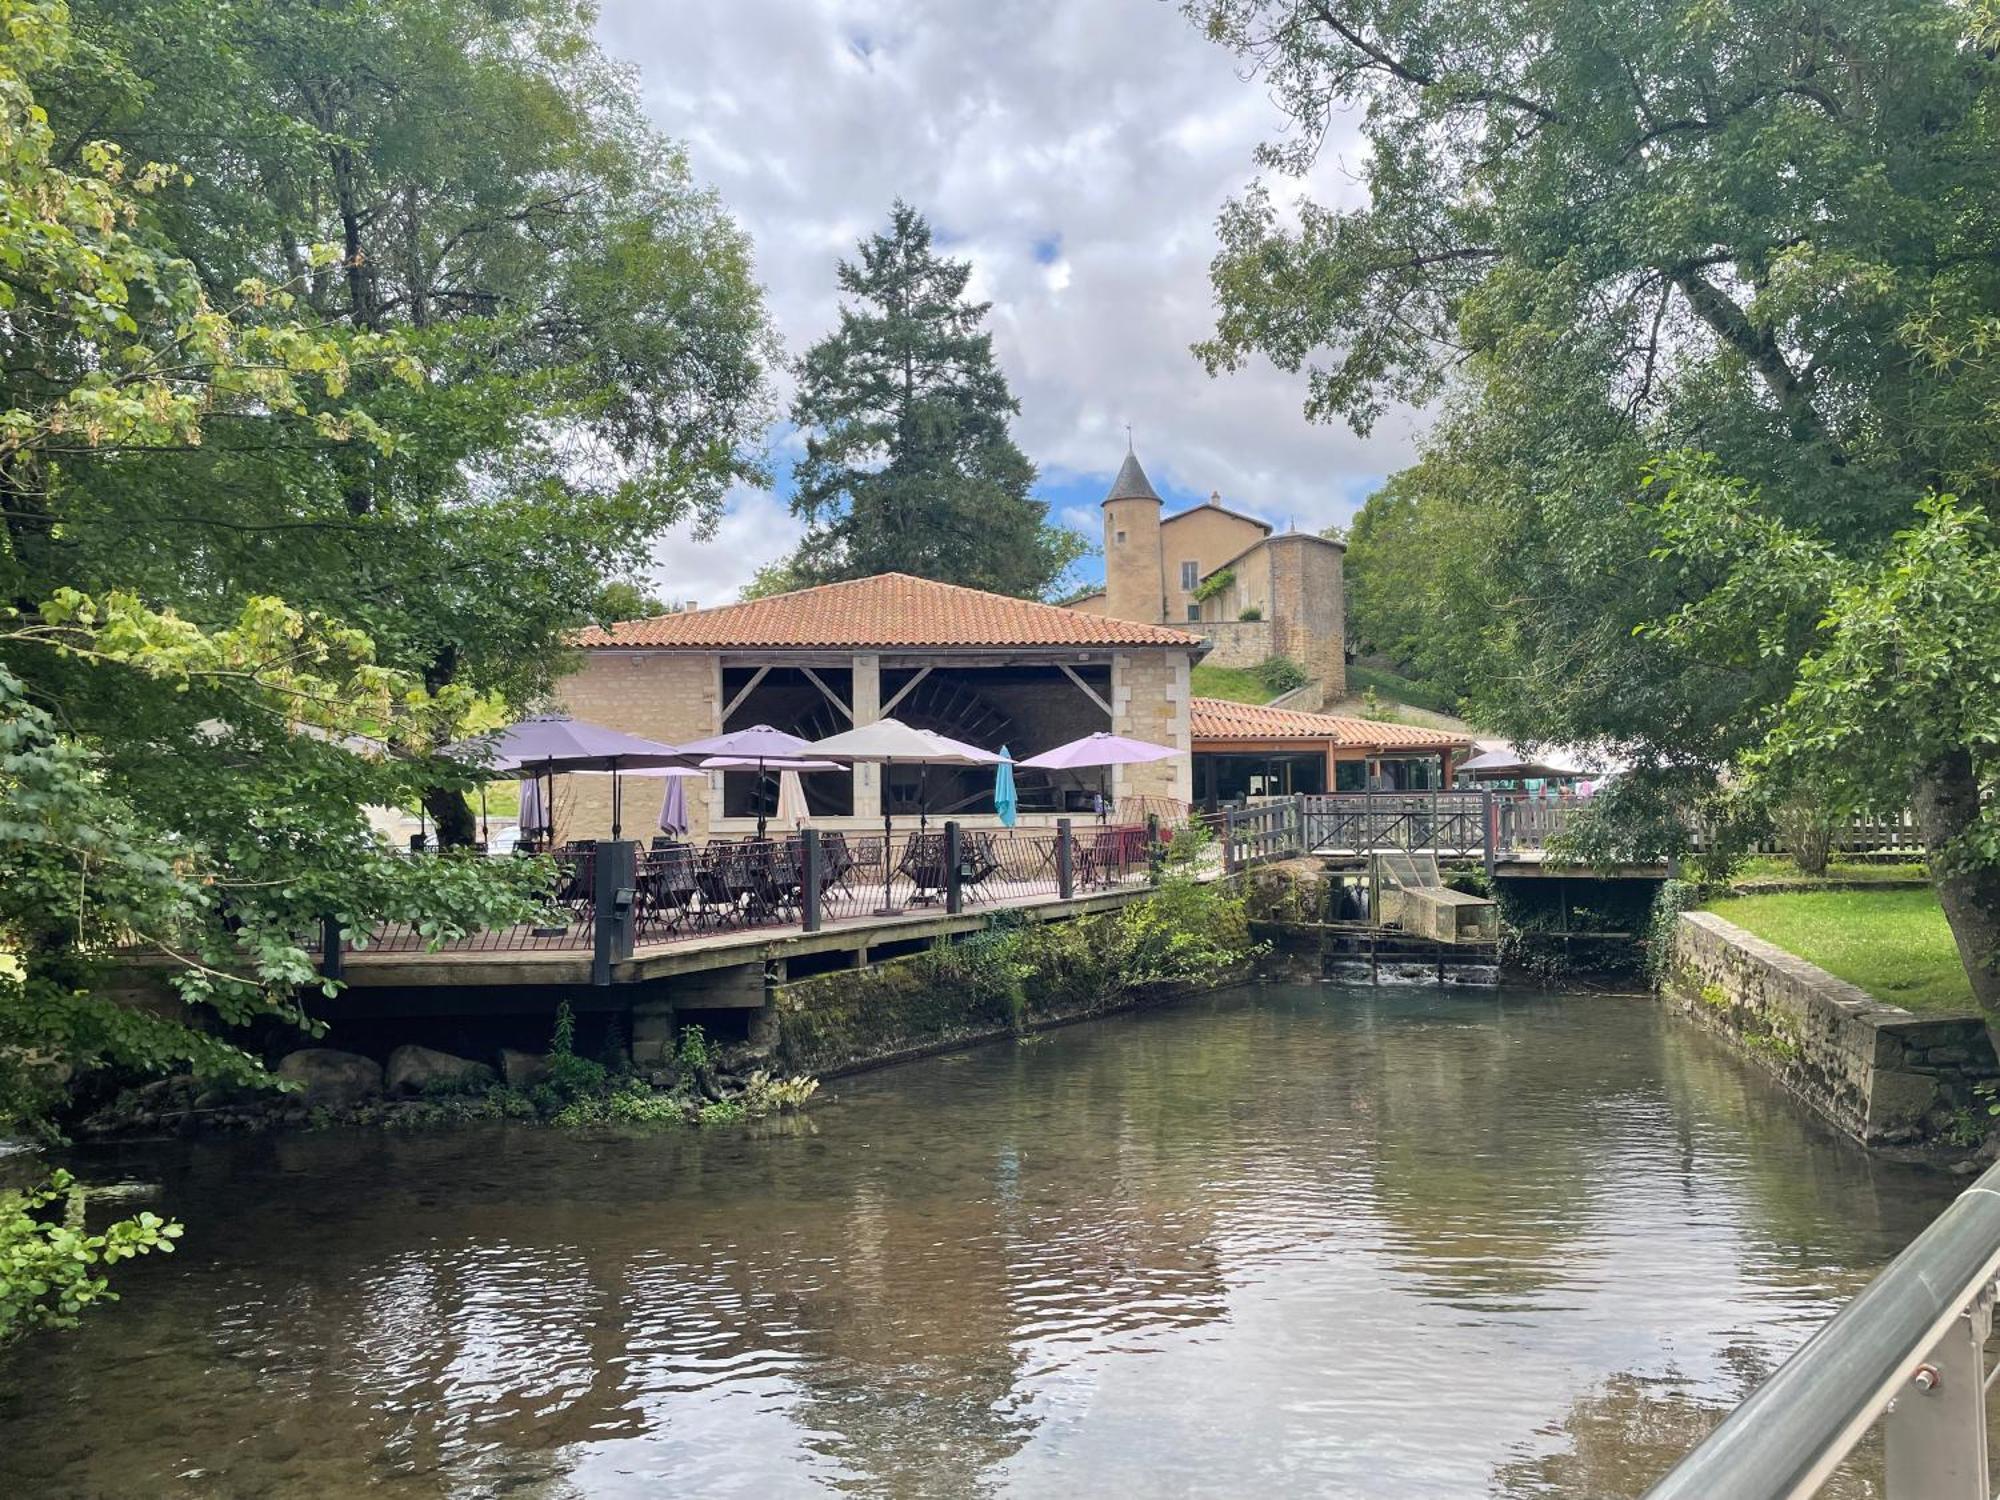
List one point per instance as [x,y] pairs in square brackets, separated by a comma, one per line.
[784,765]
[753,746]
[1100,749]
[544,744]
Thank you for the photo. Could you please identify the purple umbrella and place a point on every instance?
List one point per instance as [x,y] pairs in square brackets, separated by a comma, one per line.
[1100,749]
[544,744]
[751,747]
[674,810]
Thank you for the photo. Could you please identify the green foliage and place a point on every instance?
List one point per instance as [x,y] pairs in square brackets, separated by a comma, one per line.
[909,464]
[572,1078]
[692,1054]
[721,1112]
[1250,612]
[1394,688]
[1216,583]
[764,1093]
[1964,1129]
[49,1261]
[1280,674]
[1673,898]
[1604,233]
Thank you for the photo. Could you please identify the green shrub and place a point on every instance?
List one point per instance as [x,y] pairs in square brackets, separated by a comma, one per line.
[1250,612]
[48,1264]
[1280,674]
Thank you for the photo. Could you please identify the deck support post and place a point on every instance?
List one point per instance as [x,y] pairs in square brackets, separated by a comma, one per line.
[1065,860]
[954,859]
[330,955]
[614,875]
[812,878]
[1489,831]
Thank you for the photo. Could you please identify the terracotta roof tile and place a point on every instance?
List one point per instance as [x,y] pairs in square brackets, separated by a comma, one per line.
[888,610]
[1219,719]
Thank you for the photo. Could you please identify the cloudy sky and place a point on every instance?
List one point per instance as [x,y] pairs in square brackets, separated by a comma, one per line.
[1077,152]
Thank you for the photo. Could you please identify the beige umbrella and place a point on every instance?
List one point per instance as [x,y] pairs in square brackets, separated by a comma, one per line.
[792,810]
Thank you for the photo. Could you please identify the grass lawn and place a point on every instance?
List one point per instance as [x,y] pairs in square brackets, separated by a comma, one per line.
[1237,684]
[1777,867]
[1394,688]
[1894,944]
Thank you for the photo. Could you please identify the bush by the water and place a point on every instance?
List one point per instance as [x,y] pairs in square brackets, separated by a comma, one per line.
[1019,972]
[49,1259]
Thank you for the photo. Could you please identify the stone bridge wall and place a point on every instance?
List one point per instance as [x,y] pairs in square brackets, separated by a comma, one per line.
[1880,1073]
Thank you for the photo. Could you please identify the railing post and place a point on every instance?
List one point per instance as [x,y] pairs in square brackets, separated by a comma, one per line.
[613,874]
[1489,830]
[331,959]
[1934,1433]
[1229,841]
[954,858]
[812,878]
[1065,860]
[1299,828]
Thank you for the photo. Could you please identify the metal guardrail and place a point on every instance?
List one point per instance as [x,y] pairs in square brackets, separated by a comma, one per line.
[1909,1351]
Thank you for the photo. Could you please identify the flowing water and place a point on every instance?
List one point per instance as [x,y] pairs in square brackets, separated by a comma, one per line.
[1286,1241]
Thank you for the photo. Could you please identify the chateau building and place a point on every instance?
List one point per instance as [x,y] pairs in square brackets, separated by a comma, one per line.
[1250,591]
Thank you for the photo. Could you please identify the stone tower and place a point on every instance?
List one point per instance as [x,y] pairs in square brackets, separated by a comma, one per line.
[1135,582]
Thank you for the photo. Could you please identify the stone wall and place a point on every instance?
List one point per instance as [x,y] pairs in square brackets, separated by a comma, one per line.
[1309,608]
[1878,1072]
[662,695]
[1149,701]
[1236,643]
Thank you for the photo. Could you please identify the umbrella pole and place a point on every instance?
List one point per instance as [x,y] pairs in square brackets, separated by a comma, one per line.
[888,840]
[760,799]
[617,803]
[485,836]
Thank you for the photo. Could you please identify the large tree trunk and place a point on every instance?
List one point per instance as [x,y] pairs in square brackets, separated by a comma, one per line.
[449,810]
[1946,803]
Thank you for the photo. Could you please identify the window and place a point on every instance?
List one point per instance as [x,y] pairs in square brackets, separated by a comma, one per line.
[1119,538]
[1194,611]
[1190,577]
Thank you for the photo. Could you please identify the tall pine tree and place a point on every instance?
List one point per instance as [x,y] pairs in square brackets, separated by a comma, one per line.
[909,465]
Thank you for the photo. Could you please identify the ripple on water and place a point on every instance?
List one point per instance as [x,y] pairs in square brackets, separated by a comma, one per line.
[1308,1240]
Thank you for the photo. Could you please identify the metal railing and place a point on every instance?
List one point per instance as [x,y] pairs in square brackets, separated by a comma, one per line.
[606,899]
[1908,1351]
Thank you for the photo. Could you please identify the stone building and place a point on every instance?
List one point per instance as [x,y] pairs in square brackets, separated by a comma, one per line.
[1250,591]
[980,667]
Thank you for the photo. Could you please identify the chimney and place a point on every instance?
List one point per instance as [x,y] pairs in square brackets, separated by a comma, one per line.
[1215,497]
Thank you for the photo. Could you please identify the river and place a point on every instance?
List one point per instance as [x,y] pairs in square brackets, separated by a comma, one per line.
[1283,1241]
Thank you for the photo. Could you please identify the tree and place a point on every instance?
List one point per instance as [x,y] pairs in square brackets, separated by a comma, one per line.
[190,792]
[584,313]
[909,466]
[1758,229]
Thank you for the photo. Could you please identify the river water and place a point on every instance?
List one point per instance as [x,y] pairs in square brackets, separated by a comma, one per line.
[1285,1241]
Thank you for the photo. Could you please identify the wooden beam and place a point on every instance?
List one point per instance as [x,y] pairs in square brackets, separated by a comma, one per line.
[1085,688]
[904,691]
[748,688]
[831,696]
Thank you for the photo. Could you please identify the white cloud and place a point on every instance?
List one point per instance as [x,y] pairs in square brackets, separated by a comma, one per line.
[1077,151]
[756,527]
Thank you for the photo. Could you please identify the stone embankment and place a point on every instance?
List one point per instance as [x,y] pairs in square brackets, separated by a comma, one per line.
[1880,1073]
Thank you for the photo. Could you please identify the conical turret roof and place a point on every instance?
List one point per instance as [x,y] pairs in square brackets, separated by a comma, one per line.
[1131,483]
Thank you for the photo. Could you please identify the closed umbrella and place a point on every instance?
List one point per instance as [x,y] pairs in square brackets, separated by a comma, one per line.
[762,766]
[674,809]
[1006,802]
[792,810]
[883,743]
[534,810]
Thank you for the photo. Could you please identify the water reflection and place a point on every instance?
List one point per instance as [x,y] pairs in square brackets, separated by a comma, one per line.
[1298,1239]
